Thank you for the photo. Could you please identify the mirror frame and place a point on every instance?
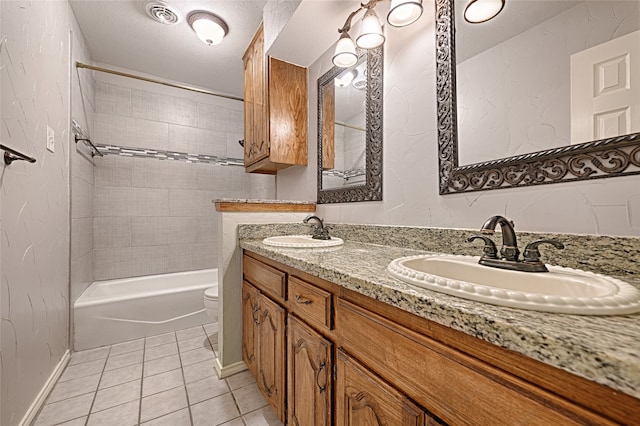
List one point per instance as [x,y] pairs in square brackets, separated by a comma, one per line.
[372,189]
[602,158]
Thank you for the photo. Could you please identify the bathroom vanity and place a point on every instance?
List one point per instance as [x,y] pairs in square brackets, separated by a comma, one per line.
[330,338]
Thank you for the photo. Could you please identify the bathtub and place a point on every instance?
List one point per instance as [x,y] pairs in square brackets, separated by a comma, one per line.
[115,311]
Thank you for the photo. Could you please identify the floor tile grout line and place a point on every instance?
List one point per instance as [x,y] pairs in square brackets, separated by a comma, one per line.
[184,381]
[95,395]
[144,348]
[109,354]
[235,401]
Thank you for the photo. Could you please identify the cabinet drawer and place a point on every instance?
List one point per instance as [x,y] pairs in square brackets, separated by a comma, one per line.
[310,303]
[456,387]
[264,277]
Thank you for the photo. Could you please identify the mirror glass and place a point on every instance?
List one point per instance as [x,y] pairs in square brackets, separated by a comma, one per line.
[526,80]
[350,131]
[545,92]
[343,148]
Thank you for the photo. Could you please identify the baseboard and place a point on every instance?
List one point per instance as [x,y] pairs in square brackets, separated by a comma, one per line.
[229,370]
[37,403]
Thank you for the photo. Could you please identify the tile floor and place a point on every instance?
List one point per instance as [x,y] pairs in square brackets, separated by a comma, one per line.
[165,380]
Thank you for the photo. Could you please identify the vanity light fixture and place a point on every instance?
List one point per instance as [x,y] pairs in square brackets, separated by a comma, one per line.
[371,35]
[402,13]
[210,28]
[479,11]
[345,55]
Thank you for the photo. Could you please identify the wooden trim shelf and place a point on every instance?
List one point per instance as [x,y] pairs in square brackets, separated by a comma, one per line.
[238,206]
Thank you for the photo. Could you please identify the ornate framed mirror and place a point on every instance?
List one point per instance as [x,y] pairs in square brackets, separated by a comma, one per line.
[605,153]
[350,131]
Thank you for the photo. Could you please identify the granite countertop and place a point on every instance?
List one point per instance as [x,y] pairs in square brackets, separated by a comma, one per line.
[604,349]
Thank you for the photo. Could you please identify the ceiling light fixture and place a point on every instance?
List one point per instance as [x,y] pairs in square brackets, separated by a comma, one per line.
[402,13]
[344,79]
[210,28]
[479,11]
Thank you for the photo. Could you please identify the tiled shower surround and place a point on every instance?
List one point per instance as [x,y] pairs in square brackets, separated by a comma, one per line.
[155,216]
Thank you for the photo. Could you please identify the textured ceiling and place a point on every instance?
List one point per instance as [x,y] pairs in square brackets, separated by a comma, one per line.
[120,33]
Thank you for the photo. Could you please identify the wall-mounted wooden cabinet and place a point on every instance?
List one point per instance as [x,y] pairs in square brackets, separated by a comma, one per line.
[275,111]
[352,360]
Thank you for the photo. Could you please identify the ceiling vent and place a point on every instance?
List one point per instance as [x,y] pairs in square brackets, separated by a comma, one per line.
[161,12]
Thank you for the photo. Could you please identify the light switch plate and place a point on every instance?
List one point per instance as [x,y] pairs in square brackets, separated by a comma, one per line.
[51,139]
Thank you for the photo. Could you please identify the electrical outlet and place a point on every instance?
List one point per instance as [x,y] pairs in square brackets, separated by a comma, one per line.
[51,139]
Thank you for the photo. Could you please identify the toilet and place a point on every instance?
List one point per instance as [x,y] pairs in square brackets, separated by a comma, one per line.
[211,303]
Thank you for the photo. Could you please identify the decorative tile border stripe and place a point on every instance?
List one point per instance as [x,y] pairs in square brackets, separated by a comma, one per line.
[169,155]
[346,175]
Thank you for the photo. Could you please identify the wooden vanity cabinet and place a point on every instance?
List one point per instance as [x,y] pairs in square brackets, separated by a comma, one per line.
[362,398]
[250,308]
[263,345]
[275,111]
[263,330]
[271,353]
[256,145]
[353,360]
[310,370]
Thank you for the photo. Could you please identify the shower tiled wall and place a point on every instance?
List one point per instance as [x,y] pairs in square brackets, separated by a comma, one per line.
[81,164]
[156,216]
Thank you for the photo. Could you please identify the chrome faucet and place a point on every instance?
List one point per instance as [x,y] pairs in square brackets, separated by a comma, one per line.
[509,252]
[320,232]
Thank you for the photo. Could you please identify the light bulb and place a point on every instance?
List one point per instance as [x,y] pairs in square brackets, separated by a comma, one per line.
[371,35]
[404,12]
[478,11]
[345,54]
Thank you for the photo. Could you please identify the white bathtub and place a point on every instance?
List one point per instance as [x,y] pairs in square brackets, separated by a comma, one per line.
[115,311]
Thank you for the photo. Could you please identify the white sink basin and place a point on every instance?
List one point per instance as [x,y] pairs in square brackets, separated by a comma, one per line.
[301,241]
[561,290]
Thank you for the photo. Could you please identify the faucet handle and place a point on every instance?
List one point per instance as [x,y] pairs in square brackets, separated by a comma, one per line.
[489,251]
[532,254]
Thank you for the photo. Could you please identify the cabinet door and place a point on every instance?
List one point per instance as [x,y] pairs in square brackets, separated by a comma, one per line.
[249,133]
[364,399]
[287,89]
[309,373]
[256,145]
[271,353]
[249,326]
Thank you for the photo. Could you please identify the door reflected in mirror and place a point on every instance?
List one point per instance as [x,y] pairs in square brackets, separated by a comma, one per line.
[537,134]
[546,74]
[344,132]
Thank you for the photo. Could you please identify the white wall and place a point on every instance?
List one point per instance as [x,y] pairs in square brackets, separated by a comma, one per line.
[35,76]
[410,172]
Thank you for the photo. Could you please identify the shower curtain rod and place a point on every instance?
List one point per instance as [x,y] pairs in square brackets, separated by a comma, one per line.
[150,80]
